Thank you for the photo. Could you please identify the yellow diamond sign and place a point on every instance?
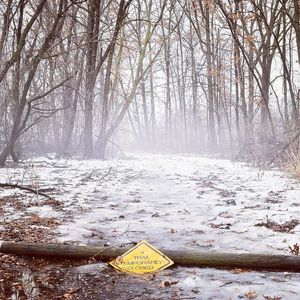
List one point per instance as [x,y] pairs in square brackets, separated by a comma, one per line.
[142,258]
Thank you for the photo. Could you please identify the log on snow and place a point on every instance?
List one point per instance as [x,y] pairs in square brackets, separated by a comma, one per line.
[180,257]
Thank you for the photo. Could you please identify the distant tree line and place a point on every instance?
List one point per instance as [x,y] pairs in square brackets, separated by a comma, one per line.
[83,77]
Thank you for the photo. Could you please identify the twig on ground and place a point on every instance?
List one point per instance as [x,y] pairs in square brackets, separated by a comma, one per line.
[25,188]
[88,177]
[105,175]
[55,165]
[286,227]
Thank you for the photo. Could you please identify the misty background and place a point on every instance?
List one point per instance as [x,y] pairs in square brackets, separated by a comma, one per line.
[94,78]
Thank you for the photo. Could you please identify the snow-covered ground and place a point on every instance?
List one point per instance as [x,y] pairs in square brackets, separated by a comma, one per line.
[174,201]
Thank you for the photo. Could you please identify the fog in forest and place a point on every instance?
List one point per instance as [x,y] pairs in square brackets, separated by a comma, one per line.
[97,78]
[154,141]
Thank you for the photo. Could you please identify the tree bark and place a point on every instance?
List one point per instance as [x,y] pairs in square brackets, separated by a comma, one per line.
[181,257]
[92,42]
[209,59]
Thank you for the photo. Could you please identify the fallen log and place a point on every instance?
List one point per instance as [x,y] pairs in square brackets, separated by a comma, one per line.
[180,257]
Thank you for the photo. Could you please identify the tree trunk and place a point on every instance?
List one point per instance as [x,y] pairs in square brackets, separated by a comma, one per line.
[296,24]
[211,113]
[153,112]
[91,74]
[181,257]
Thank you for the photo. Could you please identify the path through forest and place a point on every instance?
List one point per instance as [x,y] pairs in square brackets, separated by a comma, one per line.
[172,201]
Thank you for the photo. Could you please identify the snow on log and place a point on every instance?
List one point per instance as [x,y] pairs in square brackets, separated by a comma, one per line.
[180,257]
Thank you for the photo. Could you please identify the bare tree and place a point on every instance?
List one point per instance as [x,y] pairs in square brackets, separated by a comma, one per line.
[20,92]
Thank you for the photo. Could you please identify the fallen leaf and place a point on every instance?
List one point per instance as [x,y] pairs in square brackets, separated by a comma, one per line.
[251,294]
[240,270]
[119,259]
[68,296]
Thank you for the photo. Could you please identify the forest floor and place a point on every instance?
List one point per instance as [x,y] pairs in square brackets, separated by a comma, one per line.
[172,201]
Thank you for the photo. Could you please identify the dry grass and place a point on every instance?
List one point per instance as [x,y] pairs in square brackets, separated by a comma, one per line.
[291,165]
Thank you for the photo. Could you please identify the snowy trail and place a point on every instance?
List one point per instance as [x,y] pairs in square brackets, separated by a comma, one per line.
[182,201]
[176,201]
